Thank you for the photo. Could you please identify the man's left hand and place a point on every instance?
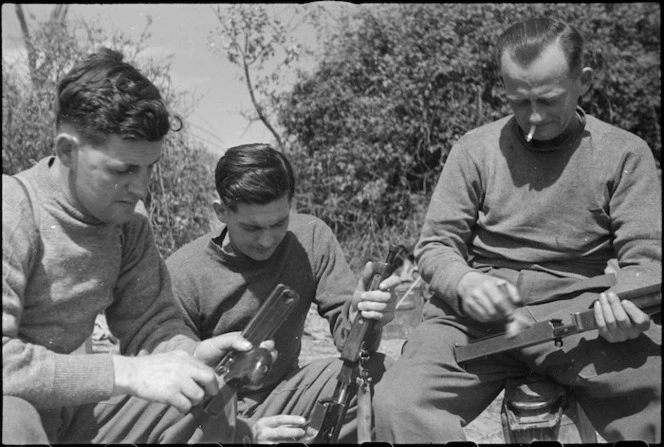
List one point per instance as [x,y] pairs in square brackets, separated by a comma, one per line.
[619,320]
[378,304]
[211,351]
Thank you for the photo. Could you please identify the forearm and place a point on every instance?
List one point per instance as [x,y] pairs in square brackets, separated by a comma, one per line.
[442,268]
[445,243]
[50,380]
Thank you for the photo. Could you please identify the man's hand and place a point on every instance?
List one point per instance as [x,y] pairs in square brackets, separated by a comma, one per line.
[174,378]
[177,378]
[378,304]
[278,429]
[619,320]
[211,351]
[482,299]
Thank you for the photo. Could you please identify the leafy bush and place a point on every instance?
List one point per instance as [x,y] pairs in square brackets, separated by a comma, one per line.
[180,189]
[369,130]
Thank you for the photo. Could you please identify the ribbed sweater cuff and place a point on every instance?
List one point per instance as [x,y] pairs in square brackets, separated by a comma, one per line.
[83,379]
[446,285]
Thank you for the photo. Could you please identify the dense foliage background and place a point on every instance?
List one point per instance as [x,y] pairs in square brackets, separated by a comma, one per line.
[396,86]
[368,129]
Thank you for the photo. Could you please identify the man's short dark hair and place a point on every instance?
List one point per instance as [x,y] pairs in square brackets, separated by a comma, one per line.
[524,42]
[253,174]
[102,96]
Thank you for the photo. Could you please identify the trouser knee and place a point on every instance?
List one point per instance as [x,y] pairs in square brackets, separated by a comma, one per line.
[21,422]
[388,399]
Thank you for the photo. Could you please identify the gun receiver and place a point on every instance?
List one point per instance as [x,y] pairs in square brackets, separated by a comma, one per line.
[648,298]
[329,414]
[248,369]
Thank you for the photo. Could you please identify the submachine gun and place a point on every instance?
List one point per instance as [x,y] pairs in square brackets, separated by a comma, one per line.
[249,369]
[329,413]
[647,298]
[533,407]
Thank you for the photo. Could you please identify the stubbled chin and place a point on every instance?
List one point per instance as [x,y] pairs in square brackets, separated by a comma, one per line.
[262,256]
[123,214]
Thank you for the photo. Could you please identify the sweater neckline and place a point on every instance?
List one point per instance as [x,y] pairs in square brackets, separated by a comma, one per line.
[46,182]
[237,258]
[562,141]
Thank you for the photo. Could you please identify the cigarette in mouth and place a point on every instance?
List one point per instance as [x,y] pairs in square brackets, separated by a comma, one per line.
[531,133]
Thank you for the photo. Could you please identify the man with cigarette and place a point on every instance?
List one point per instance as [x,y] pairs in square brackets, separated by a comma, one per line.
[551,196]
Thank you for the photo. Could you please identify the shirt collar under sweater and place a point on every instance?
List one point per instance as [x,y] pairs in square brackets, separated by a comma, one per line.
[562,141]
[233,257]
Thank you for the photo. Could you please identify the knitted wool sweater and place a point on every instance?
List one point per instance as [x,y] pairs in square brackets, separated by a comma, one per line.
[57,279]
[564,208]
[220,292]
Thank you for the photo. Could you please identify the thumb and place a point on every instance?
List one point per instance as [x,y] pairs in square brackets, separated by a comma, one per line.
[211,350]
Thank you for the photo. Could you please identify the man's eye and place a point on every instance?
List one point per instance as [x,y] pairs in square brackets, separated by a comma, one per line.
[123,171]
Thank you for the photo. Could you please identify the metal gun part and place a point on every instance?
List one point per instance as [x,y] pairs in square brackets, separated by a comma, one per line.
[248,369]
[647,298]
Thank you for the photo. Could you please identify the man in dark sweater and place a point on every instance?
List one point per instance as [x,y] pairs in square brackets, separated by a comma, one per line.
[222,278]
[539,202]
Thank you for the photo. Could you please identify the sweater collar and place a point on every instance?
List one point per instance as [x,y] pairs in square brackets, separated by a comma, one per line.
[561,141]
[46,182]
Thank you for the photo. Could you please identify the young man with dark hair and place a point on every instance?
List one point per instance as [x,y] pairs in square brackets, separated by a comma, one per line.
[222,278]
[76,241]
[538,202]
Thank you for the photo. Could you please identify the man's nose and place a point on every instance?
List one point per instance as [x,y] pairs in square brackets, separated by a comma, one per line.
[536,116]
[266,238]
[140,182]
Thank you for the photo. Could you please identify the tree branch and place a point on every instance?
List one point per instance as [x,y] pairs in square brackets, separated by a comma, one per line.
[32,58]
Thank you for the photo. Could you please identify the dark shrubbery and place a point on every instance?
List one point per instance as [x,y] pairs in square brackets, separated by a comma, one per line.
[398,84]
[370,129]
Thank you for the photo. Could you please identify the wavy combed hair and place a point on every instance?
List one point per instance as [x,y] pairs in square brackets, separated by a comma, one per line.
[524,41]
[253,174]
[102,96]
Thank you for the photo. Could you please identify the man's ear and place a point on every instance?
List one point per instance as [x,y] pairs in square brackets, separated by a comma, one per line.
[221,210]
[586,80]
[65,146]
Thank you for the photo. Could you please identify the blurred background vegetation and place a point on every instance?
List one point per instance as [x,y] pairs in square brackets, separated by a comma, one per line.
[369,128]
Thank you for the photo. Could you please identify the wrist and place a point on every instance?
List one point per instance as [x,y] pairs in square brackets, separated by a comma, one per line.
[466,283]
[122,373]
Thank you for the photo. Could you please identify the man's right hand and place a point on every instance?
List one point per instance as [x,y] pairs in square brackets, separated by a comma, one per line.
[174,378]
[177,378]
[281,428]
[482,299]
